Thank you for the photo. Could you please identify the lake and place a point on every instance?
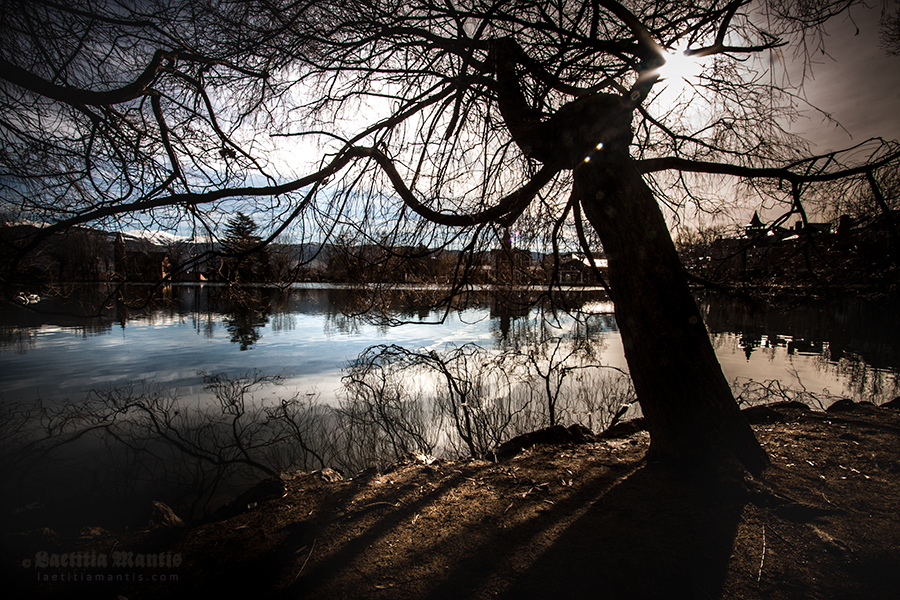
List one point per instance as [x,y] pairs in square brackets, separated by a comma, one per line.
[194,397]
[848,348]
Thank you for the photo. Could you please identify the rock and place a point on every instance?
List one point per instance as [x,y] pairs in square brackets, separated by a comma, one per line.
[557,434]
[895,403]
[625,429]
[756,415]
[330,475]
[842,406]
[163,517]
[789,404]
[581,434]
[847,405]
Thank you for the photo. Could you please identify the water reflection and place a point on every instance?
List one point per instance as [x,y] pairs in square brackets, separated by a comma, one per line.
[867,329]
[244,323]
[847,347]
[58,346]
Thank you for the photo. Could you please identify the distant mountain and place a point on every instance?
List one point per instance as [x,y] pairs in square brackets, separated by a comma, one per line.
[160,238]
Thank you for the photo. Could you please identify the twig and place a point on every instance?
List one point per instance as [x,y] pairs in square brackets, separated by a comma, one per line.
[374,504]
[305,561]
[762,561]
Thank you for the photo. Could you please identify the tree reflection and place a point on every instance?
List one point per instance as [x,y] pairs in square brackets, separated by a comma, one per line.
[244,320]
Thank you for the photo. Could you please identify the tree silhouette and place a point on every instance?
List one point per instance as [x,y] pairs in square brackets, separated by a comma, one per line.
[246,258]
[436,123]
[890,32]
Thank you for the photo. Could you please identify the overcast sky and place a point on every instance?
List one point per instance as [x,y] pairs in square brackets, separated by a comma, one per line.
[857,83]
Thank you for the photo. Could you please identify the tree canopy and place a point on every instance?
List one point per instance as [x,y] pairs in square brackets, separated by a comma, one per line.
[247,258]
[326,114]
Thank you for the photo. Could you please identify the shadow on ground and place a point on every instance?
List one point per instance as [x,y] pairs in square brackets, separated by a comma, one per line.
[592,520]
[659,533]
[645,531]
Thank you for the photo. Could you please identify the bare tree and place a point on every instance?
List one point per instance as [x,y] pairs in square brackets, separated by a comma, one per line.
[433,123]
[890,32]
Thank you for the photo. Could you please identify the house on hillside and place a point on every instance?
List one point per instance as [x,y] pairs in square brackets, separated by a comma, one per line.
[576,269]
[139,260]
[762,251]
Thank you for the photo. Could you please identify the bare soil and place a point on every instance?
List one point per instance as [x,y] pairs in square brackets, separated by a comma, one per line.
[585,520]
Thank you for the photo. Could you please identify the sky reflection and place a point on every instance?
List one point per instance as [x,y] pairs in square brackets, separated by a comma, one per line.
[304,337]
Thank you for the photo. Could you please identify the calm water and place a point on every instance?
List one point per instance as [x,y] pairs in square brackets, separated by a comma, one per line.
[847,348]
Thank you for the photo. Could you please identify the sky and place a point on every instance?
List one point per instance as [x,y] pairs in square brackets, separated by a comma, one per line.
[857,82]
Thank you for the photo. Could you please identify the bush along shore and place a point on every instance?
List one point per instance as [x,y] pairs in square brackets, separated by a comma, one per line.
[559,512]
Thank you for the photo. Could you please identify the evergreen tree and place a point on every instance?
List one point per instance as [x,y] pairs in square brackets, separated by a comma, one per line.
[246,258]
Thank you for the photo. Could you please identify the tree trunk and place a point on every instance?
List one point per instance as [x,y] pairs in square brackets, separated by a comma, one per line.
[690,411]
[687,402]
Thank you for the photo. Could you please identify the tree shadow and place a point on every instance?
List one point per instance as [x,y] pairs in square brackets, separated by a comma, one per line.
[628,531]
[659,533]
[319,575]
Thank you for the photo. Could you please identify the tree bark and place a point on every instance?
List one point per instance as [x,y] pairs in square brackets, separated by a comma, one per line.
[690,411]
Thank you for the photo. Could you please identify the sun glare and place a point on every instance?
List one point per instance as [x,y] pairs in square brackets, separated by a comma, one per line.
[679,69]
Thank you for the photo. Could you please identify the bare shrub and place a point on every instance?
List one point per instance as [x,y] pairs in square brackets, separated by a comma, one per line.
[141,439]
[467,400]
[569,383]
[753,393]
[599,397]
[384,412]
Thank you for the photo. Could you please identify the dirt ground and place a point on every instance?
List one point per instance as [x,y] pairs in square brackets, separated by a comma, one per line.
[570,520]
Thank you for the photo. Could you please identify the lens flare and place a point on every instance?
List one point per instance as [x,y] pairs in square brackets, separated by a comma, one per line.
[680,67]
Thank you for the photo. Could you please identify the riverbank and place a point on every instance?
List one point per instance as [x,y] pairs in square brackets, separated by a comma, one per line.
[559,520]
